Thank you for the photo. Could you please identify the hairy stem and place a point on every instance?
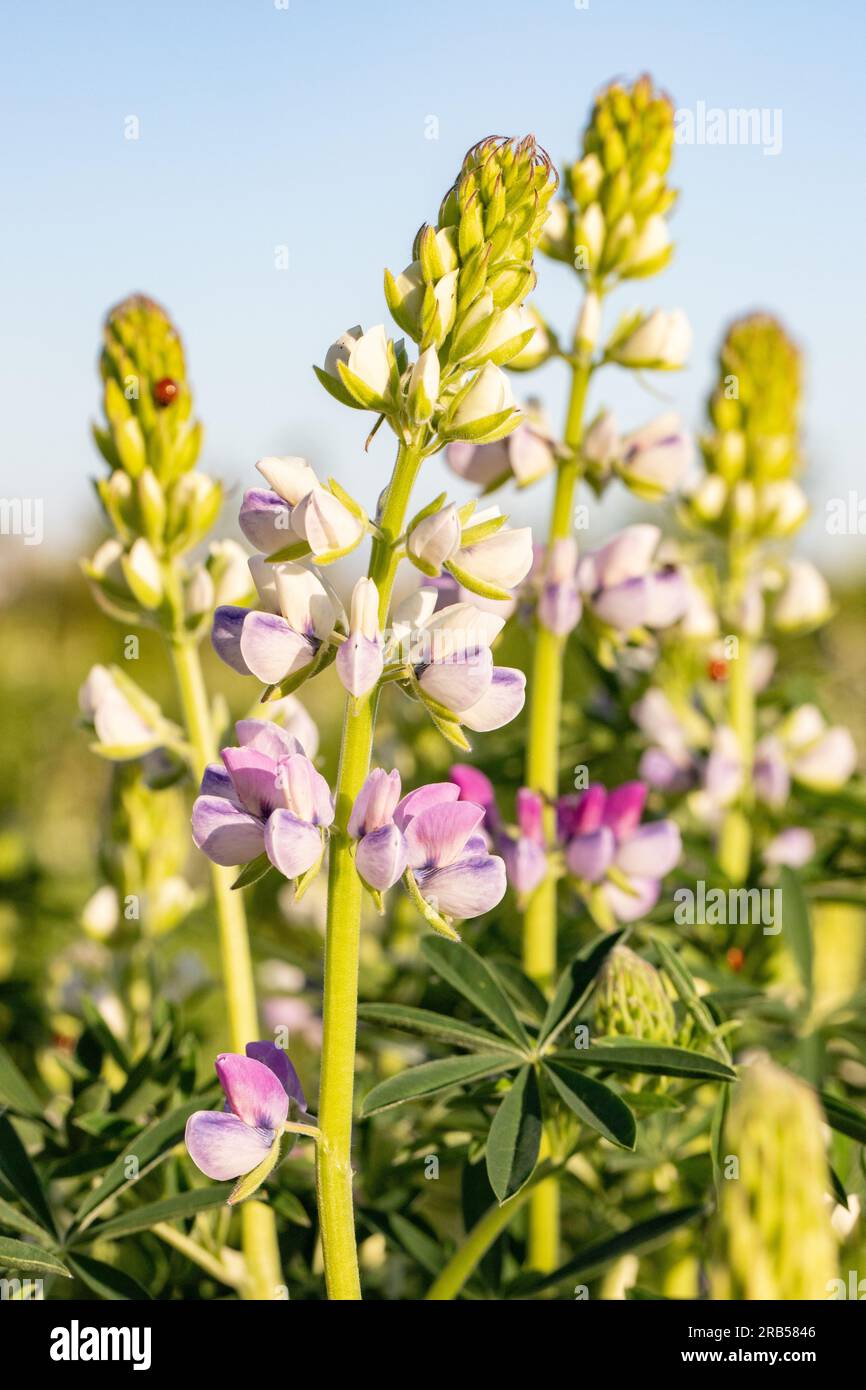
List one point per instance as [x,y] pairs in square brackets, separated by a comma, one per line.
[258,1228]
[342,938]
[542,775]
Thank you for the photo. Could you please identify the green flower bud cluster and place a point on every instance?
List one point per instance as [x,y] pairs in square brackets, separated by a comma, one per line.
[610,222]
[461,300]
[773,1238]
[157,504]
[752,451]
[631,1000]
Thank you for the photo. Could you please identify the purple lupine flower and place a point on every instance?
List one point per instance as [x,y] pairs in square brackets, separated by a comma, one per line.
[381,855]
[624,586]
[449,859]
[281,639]
[360,658]
[770,776]
[258,1088]
[449,652]
[794,846]
[476,786]
[602,831]
[267,798]
[668,763]
[560,604]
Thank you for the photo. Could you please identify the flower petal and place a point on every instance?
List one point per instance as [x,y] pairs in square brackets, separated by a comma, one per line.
[271,649]
[474,786]
[293,846]
[422,798]
[221,1146]
[375,803]
[253,1091]
[438,835]
[381,857]
[304,791]
[359,664]
[577,815]
[265,520]
[217,782]
[525,863]
[277,1059]
[624,808]
[624,606]
[589,856]
[459,682]
[668,597]
[228,624]
[267,737]
[254,776]
[627,907]
[226,834]
[652,851]
[501,702]
[466,889]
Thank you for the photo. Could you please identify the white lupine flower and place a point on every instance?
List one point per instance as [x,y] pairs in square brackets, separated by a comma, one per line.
[652,241]
[589,322]
[291,477]
[143,573]
[503,559]
[804,602]
[360,658]
[369,360]
[435,539]
[656,456]
[490,394]
[784,506]
[661,340]
[326,523]
[424,385]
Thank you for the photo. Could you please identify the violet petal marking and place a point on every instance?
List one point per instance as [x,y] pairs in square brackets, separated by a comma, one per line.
[279,1062]
[501,702]
[465,889]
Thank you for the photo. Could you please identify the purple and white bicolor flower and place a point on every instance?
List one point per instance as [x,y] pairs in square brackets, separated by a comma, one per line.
[297,508]
[360,659]
[655,457]
[448,859]
[259,1089]
[522,847]
[452,667]
[267,798]
[626,588]
[559,603]
[607,848]
[286,635]
[527,454]
[381,853]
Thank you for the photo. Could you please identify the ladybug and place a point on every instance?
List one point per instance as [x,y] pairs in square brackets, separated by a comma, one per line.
[717,669]
[165,391]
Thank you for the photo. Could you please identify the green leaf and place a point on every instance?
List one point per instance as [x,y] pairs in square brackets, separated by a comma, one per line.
[105,1280]
[594,1103]
[417,1243]
[717,1130]
[576,981]
[30,1259]
[253,871]
[152,1144]
[290,1207]
[427,1024]
[796,925]
[472,977]
[515,1136]
[628,1055]
[107,1041]
[15,1091]
[523,992]
[11,1219]
[20,1174]
[176,1208]
[434,1076]
[844,1117]
[592,1260]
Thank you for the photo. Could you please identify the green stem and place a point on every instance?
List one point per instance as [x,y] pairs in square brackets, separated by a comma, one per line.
[469,1255]
[193,1251]
[542,775]
[258,1227]
[735,842]
[342,937]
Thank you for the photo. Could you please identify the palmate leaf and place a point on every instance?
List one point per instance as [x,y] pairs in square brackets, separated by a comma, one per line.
[593,1258]
[626,1054]
[425,1023]
[176,1208]
[476,981]
[576,981]
[594,1103]
[431,1077]
[30,1259]
[515,1136]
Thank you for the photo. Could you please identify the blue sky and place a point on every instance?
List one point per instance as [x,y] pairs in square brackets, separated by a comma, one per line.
[305,127]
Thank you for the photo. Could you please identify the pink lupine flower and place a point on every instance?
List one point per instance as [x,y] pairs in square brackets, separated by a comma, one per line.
[381,855]
[794,846]
[267,798]
[601,831]
[448,856]
[258,1088]
[523,853]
